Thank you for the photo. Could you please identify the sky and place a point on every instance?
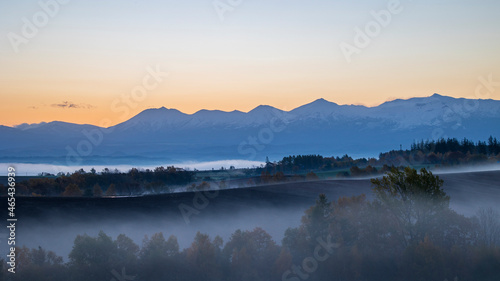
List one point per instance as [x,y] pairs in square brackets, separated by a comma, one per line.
[102,62]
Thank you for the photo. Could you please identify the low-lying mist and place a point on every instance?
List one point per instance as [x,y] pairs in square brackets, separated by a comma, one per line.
[53,223]
[58,231]
[34,169]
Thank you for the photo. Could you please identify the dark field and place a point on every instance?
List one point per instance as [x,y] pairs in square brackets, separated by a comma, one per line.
[53,223]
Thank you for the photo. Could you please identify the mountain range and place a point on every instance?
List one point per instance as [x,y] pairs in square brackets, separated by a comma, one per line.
[163,135]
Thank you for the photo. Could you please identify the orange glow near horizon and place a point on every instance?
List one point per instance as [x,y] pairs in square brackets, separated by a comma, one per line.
[74,70]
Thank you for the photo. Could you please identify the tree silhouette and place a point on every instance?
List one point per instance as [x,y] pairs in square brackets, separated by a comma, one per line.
[111,191]
[97,190]
[414,199]
[488,226]
[72,190]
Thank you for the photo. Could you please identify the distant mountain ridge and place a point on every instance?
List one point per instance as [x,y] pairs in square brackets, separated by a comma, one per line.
[163,135]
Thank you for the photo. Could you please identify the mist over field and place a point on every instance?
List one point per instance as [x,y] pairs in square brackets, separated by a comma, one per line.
[53,223]
[225,140]
[37,168]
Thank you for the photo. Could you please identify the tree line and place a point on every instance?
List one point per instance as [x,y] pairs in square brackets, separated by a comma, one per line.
[491,147]
[444,152]
[408,232]
[105,183]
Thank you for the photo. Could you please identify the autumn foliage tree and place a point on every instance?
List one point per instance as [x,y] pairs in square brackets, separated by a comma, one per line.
[72,190]
[111,191]
[97,190]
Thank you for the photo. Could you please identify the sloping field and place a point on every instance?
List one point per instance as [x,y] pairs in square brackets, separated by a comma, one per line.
[53,223]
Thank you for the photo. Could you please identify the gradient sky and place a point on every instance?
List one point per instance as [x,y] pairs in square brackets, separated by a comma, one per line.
[276,52]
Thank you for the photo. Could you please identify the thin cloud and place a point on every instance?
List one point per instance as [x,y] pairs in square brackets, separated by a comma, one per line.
[67,104]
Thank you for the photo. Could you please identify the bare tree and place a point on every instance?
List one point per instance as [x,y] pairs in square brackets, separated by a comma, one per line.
[488,226]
